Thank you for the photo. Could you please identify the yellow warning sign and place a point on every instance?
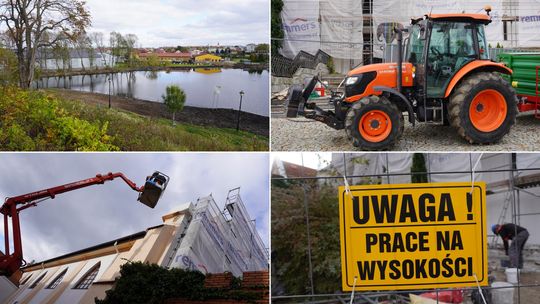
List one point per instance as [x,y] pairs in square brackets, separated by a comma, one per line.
[413,236]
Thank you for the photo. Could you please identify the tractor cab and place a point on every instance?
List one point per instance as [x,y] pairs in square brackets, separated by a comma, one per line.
[440,45]
[153,189]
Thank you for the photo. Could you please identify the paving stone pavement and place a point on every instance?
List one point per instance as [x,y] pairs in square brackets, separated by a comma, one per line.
[300,134]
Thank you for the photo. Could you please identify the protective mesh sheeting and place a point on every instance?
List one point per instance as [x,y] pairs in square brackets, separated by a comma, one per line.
[452,162]
[246,238]
[301,27]
[341,28]
[211,244]
[397,163]
[528,23]
[387,13]
[527,160]
[336,27]
[382,164]
[385,166]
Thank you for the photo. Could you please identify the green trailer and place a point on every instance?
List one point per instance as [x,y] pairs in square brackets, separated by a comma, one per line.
[525,78]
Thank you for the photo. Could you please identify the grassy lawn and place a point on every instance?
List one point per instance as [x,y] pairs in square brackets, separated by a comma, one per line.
[133,132]
[36,121]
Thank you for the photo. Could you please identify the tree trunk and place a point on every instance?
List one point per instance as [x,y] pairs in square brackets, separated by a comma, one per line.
[22,73]
[173,118]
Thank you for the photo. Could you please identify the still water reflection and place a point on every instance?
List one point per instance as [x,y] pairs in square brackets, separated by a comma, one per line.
[206,88]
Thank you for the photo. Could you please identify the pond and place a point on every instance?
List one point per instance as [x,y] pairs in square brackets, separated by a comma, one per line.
[204,87]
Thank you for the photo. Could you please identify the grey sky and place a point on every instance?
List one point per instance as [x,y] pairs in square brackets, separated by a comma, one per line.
[184,22]
[314,160]
[100,213]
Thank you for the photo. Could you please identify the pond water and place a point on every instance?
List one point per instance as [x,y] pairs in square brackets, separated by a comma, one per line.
[205,88]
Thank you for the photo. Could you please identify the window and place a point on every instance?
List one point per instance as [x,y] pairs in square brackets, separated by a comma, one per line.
[88,278]
[26,279]
[482,44]
[37,280]
[451,47]
[415,48]
[57,280]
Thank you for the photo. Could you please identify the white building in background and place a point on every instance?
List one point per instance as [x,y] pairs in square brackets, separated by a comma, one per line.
[521,206]
[75,59]
[198,237]
[250,48]
[353,32]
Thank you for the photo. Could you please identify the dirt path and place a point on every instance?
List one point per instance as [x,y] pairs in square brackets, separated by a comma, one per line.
[221,118]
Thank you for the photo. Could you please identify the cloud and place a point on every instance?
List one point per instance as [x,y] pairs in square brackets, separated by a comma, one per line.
[185,22]
[100,213]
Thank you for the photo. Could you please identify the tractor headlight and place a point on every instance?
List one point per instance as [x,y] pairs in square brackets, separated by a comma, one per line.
[351,80]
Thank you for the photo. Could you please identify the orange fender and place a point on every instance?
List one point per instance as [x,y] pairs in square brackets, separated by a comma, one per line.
[473,66]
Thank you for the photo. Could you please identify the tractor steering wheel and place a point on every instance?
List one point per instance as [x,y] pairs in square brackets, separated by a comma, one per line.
[436,52]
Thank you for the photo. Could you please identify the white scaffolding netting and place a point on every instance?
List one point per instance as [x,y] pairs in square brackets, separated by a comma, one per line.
[217,241]
[301,27]
[341,28]
[395,168]
[337,26]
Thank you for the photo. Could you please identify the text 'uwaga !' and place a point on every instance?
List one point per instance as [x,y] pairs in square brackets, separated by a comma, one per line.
[411,233]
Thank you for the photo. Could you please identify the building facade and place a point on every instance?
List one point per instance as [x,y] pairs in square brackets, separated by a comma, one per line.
[208,58]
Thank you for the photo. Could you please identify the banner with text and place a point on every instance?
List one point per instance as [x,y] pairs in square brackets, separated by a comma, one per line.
[301,27]
[413,236]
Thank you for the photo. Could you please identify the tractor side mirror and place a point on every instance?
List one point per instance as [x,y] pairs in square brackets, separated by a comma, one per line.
[153,189]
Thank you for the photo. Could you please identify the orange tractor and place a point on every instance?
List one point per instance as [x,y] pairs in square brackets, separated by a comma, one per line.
[446,78]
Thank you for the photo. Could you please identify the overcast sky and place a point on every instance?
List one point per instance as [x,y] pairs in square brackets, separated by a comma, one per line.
[314,160]
[100,213]
[184,22]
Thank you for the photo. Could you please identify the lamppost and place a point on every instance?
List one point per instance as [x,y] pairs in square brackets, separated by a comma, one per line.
[239,109]
[109,78]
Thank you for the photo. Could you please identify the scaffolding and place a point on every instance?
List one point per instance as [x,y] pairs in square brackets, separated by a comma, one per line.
[506,178]
[376,50]
[214,240]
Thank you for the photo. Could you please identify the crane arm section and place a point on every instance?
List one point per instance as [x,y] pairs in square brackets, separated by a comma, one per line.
[11,262]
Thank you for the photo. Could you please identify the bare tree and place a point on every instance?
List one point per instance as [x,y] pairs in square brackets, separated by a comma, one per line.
[116,42]
[28,20]
[130,41]
[96,39]
[82,46]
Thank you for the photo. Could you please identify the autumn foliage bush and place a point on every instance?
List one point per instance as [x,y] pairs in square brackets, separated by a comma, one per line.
[32,120]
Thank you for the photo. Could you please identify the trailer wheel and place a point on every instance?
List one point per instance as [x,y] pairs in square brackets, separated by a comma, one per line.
[483,108]
[374,123]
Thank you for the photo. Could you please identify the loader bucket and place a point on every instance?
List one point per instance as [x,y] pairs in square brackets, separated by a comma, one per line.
[296,99]
[294,102]
[153,189]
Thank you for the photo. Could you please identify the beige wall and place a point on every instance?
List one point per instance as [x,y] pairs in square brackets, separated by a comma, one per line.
[151,248]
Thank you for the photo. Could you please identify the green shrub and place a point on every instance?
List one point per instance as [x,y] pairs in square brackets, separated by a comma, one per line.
[149,283]
[31,120]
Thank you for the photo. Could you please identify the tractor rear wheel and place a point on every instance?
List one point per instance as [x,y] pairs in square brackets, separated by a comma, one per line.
[483,108]
[374,123]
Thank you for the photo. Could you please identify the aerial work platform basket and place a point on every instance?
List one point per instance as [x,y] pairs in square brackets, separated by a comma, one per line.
[153,189]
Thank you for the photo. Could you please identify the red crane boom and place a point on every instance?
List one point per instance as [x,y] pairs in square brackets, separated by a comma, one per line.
[11,262]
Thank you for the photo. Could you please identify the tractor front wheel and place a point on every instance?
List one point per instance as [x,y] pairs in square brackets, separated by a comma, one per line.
[483,108]
[374,123]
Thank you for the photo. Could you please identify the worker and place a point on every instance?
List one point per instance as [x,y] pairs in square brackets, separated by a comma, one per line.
[518,235]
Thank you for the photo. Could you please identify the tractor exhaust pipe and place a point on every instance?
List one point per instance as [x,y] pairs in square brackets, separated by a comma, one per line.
[399,33]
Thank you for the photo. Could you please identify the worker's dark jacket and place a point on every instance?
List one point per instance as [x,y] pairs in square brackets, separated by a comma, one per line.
[508,232]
